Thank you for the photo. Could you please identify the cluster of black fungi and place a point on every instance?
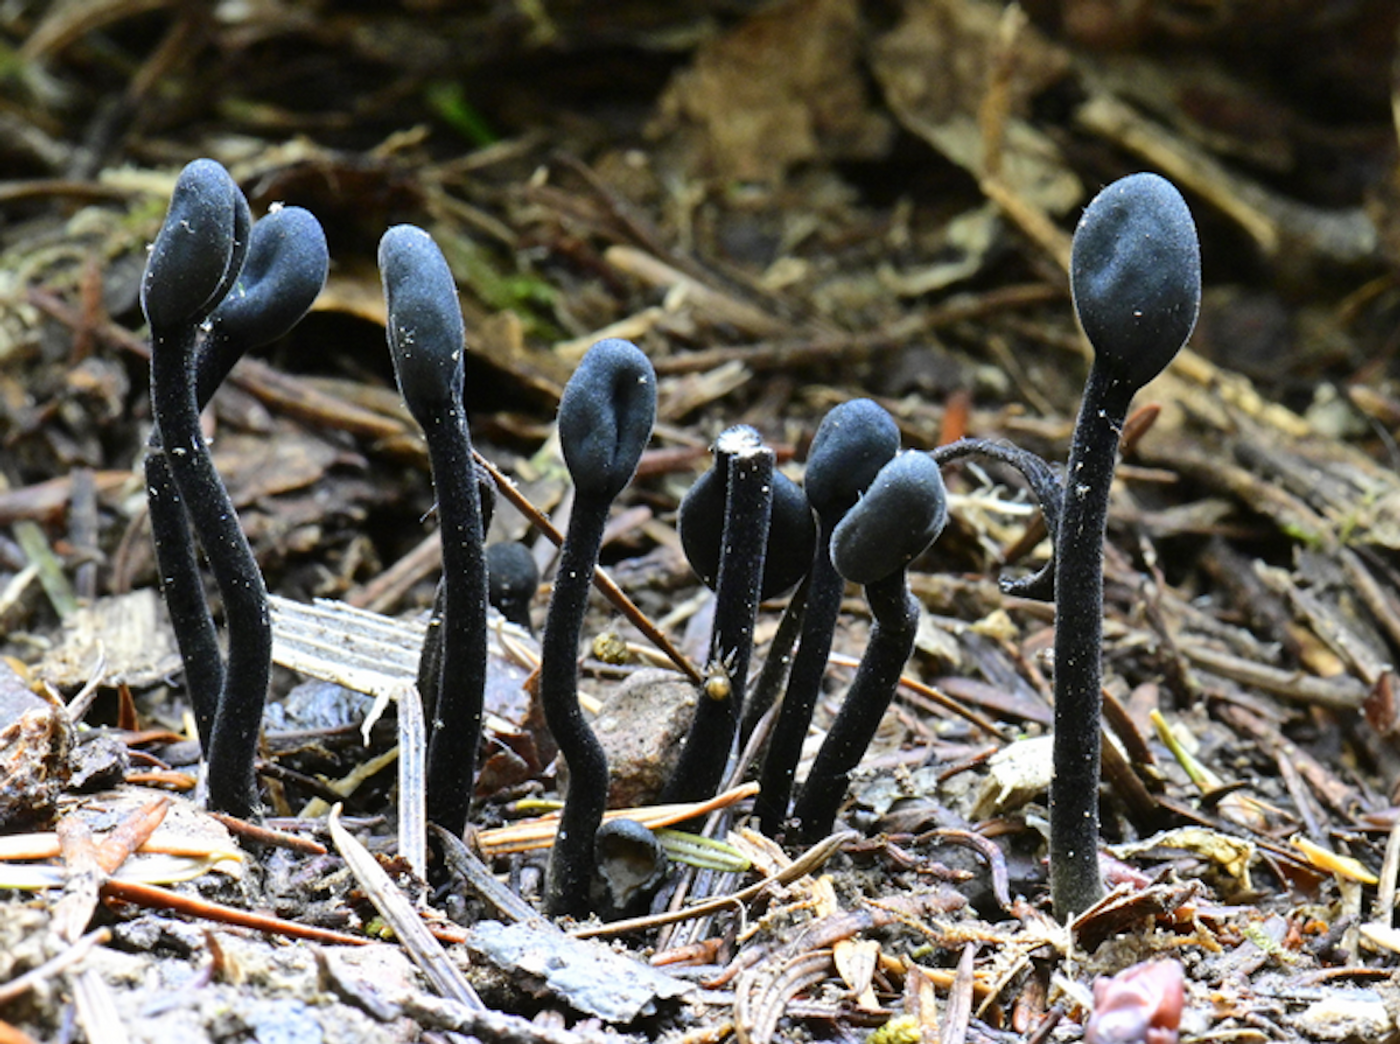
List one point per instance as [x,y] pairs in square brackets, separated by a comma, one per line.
[218,283]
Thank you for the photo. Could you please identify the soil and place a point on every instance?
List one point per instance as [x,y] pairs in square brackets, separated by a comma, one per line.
[786,205]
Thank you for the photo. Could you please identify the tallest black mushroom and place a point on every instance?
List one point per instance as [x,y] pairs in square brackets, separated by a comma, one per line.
[1135,272]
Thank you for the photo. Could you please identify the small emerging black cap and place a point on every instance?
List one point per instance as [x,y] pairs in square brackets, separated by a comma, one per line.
[1135,272]
[199,250]
[425,330]
[853,442]
[513,580]
[283,273]
[900,515]
[605,417]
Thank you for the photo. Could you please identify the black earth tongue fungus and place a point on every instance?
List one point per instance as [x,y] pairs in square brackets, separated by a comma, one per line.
[194,262]
[1135,273]
[283,273]
[177,557]
[513,577]
[853,442]
[728,524]
[284,261]
[427,340]
[792,539]
[605,419]
[900,515]
[632,866]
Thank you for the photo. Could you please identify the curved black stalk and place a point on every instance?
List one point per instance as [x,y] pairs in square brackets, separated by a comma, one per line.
[427,340]
[902,513]
[1045,486]
[605,419]
[853,442]
[748,507]
[282,266]
[1135,272]
[177,557]
[189,264]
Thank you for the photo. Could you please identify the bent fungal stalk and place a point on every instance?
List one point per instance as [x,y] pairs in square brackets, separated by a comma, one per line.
[252,288]
[427,340]
[747,532]
[605,419]
[900,515]
[853,442]
[1135,273]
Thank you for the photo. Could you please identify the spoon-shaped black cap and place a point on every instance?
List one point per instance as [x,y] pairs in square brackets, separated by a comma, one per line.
[902,512]
[605,417]
[282,274]
[792,534]
[425,329]
[853,442]
[198,252]
[1135,272]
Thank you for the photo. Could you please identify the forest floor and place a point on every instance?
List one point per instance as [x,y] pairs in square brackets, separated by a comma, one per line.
[786,205]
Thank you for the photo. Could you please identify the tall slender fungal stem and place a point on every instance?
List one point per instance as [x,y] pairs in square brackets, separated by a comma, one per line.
[902,513]
[746,465]
[282,273]
[192,261]
[853,442]
[1135,272]
[177,554]
[427,340]
[605,419]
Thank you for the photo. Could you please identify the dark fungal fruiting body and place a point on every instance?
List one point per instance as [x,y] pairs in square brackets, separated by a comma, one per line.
[853,442]
[1135,272]
[514,577]
[900,515]
[730,554]
[605,419]
[427,340]
[195,260]
[282,273]
[203,271]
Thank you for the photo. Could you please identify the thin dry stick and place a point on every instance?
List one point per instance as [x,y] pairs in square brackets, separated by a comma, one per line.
[22,984]
[398,911]
[601,580]
[539,833]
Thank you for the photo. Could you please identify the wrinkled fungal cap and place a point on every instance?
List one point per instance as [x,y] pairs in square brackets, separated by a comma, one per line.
[605,417]
[900,515]
[1135,272]
[853,442]
[199,250]
[426,335]
[283,273]
[792,534]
